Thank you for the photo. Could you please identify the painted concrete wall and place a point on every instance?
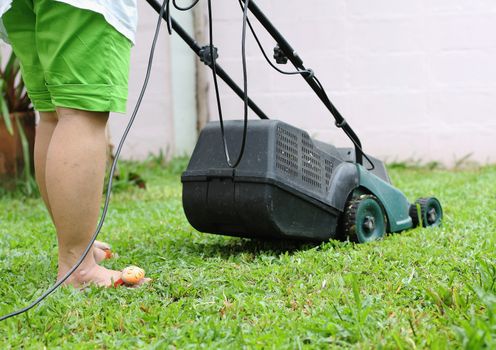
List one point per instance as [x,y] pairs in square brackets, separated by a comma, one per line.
[183,79]
[416,79]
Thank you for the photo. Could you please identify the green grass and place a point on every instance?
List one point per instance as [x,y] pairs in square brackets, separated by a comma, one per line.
[425,288]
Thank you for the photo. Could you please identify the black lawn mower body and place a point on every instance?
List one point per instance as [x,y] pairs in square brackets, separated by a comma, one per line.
[289,186]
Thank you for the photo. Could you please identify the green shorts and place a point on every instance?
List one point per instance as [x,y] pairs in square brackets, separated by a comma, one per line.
[69,57]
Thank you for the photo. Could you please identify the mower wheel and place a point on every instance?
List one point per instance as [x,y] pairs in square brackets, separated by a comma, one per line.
[431,212]
[364,220]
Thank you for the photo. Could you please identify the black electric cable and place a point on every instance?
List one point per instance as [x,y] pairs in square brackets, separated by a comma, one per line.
[111,176]
[245,85]
[168,18]
[185,8]
[255,36]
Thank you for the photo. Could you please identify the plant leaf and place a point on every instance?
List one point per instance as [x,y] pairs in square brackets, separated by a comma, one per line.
[25,151]
[6,115]
[17,96]
[10,63]
[25,103]
[10,80]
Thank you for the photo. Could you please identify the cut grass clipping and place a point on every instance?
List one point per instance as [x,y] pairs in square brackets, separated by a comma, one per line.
[425,288]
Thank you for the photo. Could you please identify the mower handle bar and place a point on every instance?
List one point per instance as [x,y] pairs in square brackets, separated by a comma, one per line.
[290,54]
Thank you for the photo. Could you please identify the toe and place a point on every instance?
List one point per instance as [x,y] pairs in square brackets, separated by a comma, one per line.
[99,255]
[101,245]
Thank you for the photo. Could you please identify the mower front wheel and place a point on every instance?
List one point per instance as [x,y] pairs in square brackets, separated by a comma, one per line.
[364,220]
[431,212]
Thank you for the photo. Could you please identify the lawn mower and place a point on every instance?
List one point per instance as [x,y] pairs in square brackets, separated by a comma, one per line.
[286,185]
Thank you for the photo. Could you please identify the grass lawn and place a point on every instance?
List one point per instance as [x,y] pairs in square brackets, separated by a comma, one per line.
[425,288]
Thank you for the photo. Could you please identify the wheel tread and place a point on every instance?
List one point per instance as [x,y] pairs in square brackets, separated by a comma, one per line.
[349,222]
[413,212]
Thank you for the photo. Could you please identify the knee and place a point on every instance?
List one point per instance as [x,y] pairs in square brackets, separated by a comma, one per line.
[83,119]
[49,117]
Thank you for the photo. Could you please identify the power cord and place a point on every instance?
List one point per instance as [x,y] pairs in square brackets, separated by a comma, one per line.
[187,8]
[260,46]
[111,176]
[180,8]
[245,84]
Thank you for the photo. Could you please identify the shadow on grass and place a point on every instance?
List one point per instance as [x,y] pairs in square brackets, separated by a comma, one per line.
[228,247]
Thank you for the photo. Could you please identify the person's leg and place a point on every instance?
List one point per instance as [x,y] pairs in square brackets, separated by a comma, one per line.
[75,170]
[44,131]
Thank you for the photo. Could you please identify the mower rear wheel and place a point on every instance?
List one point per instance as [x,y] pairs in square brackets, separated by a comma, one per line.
[431,212]
[364,220]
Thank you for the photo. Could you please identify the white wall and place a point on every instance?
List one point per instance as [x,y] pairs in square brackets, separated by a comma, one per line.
[183,65]
[416,79]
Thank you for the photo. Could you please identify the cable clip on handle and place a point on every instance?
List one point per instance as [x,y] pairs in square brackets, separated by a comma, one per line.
[206,54]
[280,56]
[309,73]
[341,124]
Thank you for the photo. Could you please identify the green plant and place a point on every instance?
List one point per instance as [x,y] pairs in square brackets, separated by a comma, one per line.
[14,97]
[15,101]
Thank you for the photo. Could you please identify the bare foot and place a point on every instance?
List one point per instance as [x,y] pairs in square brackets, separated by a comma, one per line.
[99,276]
